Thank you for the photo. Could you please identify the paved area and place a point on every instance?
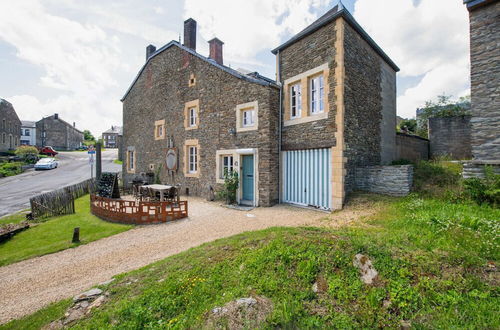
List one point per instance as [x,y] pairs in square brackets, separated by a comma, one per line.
[32,284]
[15,191]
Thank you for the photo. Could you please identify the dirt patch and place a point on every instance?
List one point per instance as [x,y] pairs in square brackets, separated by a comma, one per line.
[243,313]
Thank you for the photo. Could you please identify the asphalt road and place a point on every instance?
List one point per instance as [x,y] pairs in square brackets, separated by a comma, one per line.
[15,191]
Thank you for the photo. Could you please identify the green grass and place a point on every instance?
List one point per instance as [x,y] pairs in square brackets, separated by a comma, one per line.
[14,218]
[55,234]
[116,161]
[431,257]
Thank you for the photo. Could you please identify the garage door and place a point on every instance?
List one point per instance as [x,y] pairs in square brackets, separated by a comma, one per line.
[307,176]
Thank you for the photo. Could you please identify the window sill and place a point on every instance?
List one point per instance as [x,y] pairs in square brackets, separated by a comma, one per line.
[308,119]
[188,128]
[192,175]
[247,129]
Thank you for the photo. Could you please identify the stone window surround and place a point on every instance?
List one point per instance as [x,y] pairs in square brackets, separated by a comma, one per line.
[159,123]
[192,80]
[239,116]
[134,165]
[237,157]
[304,79]
[191,143]
[189,105]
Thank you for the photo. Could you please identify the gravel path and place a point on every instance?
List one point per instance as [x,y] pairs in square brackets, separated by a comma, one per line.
[29,285]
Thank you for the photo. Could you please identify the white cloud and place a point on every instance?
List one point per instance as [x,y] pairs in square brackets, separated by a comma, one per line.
[249,27]
[429,38]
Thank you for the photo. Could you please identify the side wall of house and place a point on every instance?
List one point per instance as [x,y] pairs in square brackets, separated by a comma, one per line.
[485,81]
[10,127]
[450,136]
[161,94]
[58,134]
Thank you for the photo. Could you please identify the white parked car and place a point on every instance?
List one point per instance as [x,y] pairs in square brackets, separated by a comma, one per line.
[46,164]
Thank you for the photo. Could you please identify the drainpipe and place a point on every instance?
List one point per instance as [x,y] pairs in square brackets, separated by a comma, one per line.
[280,168]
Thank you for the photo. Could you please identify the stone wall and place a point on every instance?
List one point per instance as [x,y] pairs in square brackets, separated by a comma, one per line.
[10,127]
[450,136]
[475,169]
[485,81]
[58,134]
[411,147]
[161,92]
[388,123]
[387,180]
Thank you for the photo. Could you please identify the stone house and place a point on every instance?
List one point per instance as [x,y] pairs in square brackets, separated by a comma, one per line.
[297,140]
[10,126]
[28,132]
[110,137]
[57,133]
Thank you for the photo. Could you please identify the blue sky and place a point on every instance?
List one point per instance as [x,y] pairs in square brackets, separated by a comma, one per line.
[77,58]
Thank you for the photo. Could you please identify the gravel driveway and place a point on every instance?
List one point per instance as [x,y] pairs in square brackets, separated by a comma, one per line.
[32,284]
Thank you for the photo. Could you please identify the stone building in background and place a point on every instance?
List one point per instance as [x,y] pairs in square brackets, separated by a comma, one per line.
[485,82]
[298,140]
[10,127]
[110,137]
[55,132]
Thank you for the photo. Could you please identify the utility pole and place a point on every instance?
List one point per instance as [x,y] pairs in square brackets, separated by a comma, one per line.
[98,164]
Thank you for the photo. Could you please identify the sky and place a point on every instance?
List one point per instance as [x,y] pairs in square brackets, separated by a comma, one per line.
[78,57]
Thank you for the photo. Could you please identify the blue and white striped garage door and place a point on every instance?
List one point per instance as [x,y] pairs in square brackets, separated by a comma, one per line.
[307,176]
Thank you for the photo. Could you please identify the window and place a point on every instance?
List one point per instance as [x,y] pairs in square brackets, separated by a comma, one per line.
[27,132]
[295,101]
[193,160]
[227,165]
[192,114]
[131,161]
[3,124]
[192,117]
[3,138]
[159,130]
[192,80]
[248,118]
[316,90]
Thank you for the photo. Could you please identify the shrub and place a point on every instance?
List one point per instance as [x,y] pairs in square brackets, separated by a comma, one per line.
[484,191]
[438,174]
[231,183]
[9,169]
[29,154]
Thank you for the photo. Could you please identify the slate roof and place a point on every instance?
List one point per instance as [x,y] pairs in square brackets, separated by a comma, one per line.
[28,123]
[257,78]
[114,129]
[330,16]
[473,4]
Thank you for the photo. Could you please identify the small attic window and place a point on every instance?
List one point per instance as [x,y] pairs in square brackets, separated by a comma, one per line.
[192,80]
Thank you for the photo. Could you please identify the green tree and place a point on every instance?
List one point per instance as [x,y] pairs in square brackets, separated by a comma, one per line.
[408,125]
[87,136]
[29,154]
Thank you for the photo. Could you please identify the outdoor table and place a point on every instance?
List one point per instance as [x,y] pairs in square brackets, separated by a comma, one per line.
[161,188]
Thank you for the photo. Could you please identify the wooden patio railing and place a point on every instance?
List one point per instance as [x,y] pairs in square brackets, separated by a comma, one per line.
[139,213]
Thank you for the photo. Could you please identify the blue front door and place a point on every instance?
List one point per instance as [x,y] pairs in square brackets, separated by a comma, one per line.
[247,178]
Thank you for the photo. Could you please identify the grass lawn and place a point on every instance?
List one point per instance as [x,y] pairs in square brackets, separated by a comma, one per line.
[14,218]
[55,234]
[432,256]
[116,161]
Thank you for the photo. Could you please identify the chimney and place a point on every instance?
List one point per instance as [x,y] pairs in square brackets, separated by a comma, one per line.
[150,51]
[74,124]
[190,33]
[216,50]
[56,116]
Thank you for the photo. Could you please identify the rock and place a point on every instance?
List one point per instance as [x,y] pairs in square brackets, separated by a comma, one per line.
[320,286]
[84,304]
[405,324]
[91,294]
[219,310]
[246,302]
[95,304]
[106,282]
[74,314]
[386,303]
[364,264]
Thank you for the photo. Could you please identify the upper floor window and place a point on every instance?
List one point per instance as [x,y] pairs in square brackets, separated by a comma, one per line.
[248,118]
[131,160]
[316,91]
[159,130]
[193,160]
[27,132]
[295,101]
[192,117]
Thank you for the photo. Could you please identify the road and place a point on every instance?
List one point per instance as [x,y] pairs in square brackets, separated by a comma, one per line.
[15,191]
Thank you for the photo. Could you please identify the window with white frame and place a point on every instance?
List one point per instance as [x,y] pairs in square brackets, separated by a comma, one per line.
[193,159]
[295,101]
[316,91]
[227,165]
[248,117]
[131,160]
[192,117]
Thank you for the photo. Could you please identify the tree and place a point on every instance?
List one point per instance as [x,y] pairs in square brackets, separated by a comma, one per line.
[87,136]
[408,126]
[29,154]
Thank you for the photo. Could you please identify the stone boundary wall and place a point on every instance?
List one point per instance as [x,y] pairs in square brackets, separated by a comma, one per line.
[386,180]
[475,169]
[450,136]
[411,147]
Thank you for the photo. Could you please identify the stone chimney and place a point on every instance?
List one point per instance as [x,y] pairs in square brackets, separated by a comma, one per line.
[56,116]
[150,51]
[216,50]
[190,33]
[74,124]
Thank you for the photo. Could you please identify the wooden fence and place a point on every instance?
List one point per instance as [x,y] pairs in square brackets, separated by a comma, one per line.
[60,201]
[139,213]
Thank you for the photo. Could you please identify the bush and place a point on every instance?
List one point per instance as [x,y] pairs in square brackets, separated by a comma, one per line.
[29,154]
[429,174]
[231,183]
[9,169]
[484,191]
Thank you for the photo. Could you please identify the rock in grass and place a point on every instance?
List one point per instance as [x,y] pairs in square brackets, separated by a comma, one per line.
[364,264]
[243,313]
[88,295]
[320,286]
